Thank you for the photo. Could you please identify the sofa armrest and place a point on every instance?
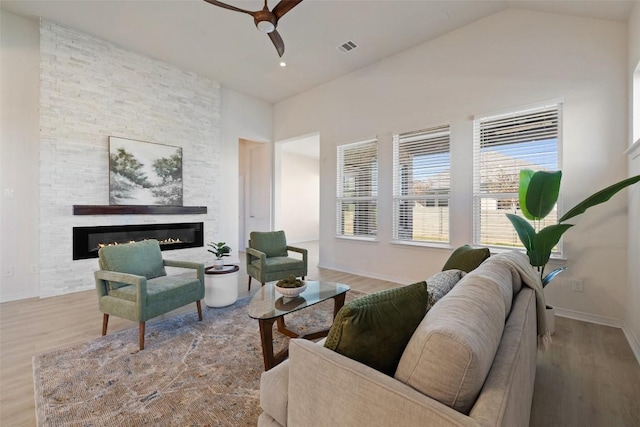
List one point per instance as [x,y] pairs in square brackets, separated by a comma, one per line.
[199,267]
[274,384]
[326,388]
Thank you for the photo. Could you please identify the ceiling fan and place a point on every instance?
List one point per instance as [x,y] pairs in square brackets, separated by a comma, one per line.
[266,20]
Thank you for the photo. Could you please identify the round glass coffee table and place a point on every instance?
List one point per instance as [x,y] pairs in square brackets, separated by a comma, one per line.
[268,307]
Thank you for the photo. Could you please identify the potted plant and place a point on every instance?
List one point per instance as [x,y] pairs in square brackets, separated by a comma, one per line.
[220,250]
[291,286]
[538,194]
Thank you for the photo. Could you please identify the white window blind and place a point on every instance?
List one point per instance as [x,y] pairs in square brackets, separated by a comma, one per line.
[357,192]
[421,185]
[503,145]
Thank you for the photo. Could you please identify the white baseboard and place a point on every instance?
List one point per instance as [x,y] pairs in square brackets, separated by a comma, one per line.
[57,293]
[588,317]
[632,339]
[634,342]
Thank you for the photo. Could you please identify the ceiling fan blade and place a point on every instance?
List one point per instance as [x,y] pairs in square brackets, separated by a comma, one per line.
[284,6]
[228,6]
[277,42]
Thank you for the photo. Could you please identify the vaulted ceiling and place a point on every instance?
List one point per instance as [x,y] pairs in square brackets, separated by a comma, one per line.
[226,46]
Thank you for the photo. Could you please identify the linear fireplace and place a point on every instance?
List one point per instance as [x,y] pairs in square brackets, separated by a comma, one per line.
[88,240]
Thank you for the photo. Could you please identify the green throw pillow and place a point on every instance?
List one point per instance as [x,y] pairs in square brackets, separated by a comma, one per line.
[375,329]
[466,258]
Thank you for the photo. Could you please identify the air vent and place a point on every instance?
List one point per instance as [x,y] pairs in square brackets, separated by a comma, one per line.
[346,47]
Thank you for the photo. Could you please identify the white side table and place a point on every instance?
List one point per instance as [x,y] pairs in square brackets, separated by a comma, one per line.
[221,286]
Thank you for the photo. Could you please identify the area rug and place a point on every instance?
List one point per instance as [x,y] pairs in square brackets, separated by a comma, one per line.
[190,373]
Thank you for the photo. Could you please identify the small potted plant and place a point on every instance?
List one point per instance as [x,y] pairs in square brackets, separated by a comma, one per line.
[291,286]
[220,250]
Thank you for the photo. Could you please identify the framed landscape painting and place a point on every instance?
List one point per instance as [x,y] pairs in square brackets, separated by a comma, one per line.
[144,173]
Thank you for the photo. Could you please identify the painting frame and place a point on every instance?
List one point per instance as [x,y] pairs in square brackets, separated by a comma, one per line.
[144,173]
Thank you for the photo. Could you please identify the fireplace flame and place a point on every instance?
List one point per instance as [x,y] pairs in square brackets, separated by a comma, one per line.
[167,241]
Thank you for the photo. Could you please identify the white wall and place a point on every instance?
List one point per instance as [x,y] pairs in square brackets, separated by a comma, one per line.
[632,328]
[299,197]
[91,89]
[19,154]
[243,118]
[509,59]
[77,143]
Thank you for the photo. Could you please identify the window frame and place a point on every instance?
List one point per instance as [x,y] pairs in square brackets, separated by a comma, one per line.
[370,167]
[478,194]
[433,139]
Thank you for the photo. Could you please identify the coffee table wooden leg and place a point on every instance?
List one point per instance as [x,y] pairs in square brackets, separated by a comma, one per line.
[338,302]
[266,335]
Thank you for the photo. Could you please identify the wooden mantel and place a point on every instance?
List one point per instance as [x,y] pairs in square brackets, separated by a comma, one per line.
[137,210]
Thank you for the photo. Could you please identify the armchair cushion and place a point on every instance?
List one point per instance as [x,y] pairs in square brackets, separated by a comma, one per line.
[272,243]
[275,264]
[374,329]
[139,258]
[160,288]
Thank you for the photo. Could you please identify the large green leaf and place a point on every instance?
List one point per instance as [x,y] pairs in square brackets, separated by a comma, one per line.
[545,241]
[599,197]
[525,178]
[542,193]
[549,277]
[525,231]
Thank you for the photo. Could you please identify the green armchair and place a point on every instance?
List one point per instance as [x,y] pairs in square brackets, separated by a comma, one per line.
[268,257]
[132,283]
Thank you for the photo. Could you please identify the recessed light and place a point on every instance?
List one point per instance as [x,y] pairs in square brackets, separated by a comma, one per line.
[283,64]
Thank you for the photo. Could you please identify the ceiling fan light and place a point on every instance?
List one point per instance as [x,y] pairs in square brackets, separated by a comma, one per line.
[266,26]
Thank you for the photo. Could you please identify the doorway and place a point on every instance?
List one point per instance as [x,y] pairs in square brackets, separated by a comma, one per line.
[254,204]
[297,188]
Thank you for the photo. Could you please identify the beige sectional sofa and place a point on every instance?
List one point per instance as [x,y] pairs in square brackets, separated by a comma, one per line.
[470,362]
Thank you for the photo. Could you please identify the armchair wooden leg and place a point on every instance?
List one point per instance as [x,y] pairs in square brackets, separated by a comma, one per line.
[249,288]
[105,321]
[199,310]
[141,339]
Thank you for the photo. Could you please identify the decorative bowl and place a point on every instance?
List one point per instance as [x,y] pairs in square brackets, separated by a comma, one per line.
[291,292]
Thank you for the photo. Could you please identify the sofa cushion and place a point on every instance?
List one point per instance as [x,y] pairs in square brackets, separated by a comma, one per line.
[140,258]
[374,329]
[451,351]
[466,258]
[441,283]
[272,243]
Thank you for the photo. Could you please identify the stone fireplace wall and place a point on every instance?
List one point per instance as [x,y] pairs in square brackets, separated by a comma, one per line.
[91,89]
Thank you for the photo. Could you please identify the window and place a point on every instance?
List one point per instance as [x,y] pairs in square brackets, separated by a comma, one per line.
[421,183]
[503,145]
[357,192]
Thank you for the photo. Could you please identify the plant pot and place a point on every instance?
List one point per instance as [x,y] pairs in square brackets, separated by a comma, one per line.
[551,319]
[218,264]
[291,292]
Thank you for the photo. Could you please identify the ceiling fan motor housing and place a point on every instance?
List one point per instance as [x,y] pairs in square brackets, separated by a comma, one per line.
[265,21]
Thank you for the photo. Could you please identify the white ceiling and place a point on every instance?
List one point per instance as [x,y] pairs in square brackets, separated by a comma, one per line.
[225,45]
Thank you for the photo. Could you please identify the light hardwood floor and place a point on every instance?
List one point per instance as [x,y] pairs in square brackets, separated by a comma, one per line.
[588,378]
